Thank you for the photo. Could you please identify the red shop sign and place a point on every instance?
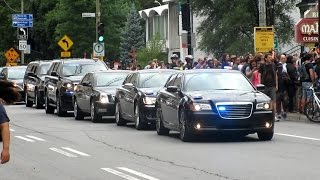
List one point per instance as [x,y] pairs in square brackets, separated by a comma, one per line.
[307,31]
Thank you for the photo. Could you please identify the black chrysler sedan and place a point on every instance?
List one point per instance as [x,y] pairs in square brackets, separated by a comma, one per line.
[199,101]
[135,99]
[95,94]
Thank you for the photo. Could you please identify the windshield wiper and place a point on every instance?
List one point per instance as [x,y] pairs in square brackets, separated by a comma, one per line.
[113,81]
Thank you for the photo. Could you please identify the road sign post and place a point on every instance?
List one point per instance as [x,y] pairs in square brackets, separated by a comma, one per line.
[98,49]
[263,39]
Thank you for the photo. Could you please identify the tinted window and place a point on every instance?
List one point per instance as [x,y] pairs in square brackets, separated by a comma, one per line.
[151,80]
[216,81]
[16,73]
[110,79]
[81,69]
[44,69]
[128,78]
[171,80]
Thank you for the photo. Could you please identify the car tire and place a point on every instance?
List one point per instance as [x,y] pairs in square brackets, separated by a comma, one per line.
[186,134]
[119,120]
[38,104]
[138,119]
[95,117]
[265,136]
[78,114]
[161,130]
[60,112]
[27,101]
[49,109]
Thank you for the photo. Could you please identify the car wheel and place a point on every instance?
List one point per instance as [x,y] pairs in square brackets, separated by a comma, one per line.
[119,120]
[265,136]
[138,119]
[49,109]
[38,104]
[161,130]
[27,101]
[78,114]
[185,132]
[60,112]
[95,117]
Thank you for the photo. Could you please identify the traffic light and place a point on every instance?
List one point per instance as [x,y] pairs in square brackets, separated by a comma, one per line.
[100,32]
[185,10]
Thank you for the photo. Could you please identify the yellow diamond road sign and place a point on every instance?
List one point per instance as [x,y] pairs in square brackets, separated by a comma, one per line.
[11,55]
[65,43]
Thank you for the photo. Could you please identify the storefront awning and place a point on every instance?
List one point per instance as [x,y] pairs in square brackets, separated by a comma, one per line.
[159,10]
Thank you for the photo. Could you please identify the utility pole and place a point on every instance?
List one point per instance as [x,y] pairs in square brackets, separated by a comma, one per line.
[262,13]
[98,15]
[319,23]
[189,39]
[22,52]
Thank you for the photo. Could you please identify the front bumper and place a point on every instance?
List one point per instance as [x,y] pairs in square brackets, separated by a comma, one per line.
[67,101]
[149,112]
[105,109]
[213,122]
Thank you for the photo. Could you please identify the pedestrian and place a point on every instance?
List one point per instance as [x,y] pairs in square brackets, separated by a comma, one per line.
[282,91]
[8,95]
[292,72]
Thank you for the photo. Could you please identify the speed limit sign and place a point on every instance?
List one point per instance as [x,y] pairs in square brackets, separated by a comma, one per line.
[22,45]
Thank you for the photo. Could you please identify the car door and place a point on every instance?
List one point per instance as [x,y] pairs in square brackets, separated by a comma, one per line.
[165,101]
[88,93]
[173,102]
[123,96]
[32,81]
[132,92]
[79,94]
[52,83]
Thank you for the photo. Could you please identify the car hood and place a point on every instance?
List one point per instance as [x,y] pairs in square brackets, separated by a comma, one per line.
[108,89]
[75,79]
[229,96]
[150,91]
[17,81]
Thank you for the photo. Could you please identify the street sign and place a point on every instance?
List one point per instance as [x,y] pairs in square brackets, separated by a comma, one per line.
[28,50]
[22,17]
[98,49]
[65,43]
[88,14]
[263,39]
[22,45]
[65,54]
[11,55]
[22,33]
[22,24]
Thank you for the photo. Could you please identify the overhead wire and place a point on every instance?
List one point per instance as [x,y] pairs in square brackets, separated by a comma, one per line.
[10,6]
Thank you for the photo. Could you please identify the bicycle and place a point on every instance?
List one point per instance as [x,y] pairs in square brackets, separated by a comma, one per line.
[312,108]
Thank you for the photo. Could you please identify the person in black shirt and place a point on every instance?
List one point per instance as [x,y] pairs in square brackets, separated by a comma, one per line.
[292,72]
[8,95]
[307,83]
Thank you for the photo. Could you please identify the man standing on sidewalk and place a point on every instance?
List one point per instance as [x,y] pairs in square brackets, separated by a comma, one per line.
[268,77]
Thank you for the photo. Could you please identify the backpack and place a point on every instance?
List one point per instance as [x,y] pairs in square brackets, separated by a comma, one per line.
[304,75]
[285,77]
[244,67]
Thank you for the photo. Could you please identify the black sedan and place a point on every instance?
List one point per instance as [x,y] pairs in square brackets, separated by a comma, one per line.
[94,95]
[135,99]
[200,101]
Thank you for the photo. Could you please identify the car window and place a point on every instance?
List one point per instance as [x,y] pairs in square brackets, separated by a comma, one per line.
[177,81]
[110,79]
[43,69]
[81,69]
[171,80]
[29,68]
[128,78]
[153,79]
[16,73]
[85,78]
[134,79]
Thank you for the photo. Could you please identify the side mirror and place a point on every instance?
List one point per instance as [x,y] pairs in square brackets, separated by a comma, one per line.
[54,74]
[2,77]
[86,83]
[30,74]
[261,87]
[130,85]
[172,89]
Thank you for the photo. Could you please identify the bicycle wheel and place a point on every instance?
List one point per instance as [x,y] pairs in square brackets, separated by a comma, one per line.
[312,112]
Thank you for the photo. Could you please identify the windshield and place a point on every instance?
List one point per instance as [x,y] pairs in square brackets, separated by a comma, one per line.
[81,69]
[44,68]
[153,80]
[110,79]
[16,73]
[216,81]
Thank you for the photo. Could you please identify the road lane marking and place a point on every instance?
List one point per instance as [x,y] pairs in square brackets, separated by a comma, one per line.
[75,151]
[36,138]
[120,174]
[63,152]
[137,173]
[300,137]
[12,129]
[26,139]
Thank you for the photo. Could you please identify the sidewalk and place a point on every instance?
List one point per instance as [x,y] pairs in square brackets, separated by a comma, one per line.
[297,117]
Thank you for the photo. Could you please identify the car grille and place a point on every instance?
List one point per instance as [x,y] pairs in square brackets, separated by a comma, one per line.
[234,110]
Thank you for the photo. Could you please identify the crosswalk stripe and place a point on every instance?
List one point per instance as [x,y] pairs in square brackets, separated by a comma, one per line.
[120,174]
[75,151]
[137,173]
[63,152]
[36,138]
[26,139]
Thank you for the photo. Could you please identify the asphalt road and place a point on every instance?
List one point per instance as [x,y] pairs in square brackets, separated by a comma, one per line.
[49,147]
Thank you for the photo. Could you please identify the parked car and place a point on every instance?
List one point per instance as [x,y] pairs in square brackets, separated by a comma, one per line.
[135,99]
[34,82]
[201,101]
[15,74]
[63,76]
[94,96]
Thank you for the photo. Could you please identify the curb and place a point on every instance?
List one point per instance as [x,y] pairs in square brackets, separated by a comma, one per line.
[297,117]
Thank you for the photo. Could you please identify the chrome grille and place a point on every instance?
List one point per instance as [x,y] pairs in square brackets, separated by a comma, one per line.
[234,110]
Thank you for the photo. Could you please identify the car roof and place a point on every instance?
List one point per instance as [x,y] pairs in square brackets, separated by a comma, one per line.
[209,71]
[157,70]
[15,67]
[111,71]
[79,61]
[41,61]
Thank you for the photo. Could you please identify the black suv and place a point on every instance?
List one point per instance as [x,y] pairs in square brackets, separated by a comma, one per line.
[63,76]
[34,82]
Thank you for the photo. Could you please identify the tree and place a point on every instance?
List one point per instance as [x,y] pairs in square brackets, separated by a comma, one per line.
[228,27]
[132,35]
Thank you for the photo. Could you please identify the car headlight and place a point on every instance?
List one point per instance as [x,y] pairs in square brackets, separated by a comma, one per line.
[30,87]
[68,85]
[104,98]
[264,105]
[149,100]
[200,107]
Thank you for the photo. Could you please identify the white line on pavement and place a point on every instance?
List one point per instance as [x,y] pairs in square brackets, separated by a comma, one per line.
[12,129]
[120,174]
[36,138]
[23,138]
[295,136]
[63,152]
[137,173]
[75,151]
